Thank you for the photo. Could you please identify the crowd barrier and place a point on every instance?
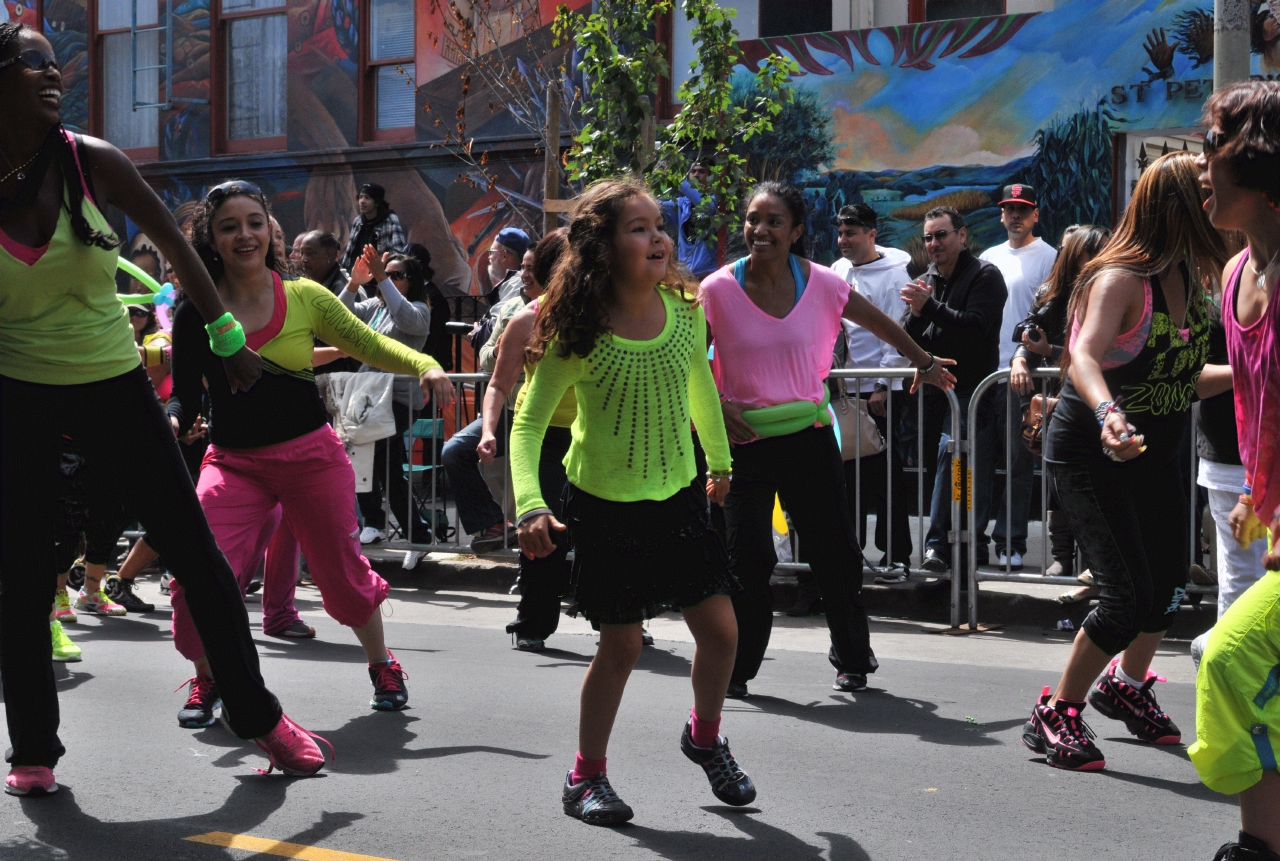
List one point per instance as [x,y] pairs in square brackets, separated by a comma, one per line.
[427,486]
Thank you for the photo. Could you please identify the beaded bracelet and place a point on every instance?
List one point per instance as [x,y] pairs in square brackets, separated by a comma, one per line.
[1246,499]
[1104,409]
[226,335]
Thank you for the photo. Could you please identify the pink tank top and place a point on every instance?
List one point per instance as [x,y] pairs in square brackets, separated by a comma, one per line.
[1254,354]
[762,360]
[1128,345]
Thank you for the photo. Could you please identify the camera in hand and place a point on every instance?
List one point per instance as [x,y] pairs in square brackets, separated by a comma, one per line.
[1033,333]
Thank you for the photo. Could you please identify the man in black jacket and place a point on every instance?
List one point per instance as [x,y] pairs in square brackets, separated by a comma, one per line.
[955,310]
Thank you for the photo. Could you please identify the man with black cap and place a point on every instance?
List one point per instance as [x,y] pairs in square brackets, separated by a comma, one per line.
[1025,261]
[376,225]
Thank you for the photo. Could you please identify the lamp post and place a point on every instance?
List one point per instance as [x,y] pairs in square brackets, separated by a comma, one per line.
[1230,42]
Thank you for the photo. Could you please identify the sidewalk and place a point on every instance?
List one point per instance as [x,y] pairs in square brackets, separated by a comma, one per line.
[927,600]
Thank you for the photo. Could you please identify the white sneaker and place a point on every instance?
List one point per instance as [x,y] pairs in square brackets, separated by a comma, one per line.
[411,559]
[369,535]
[1014,563]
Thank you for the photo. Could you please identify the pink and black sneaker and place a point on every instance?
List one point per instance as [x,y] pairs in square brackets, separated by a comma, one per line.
[33,780]
[1062,736]
[1137,707]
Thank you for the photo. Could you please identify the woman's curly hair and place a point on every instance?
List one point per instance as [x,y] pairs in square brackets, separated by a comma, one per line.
[573,312]
[201,233]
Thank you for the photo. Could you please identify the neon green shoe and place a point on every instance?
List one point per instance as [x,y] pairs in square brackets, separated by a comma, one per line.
[62,608]
[64,650]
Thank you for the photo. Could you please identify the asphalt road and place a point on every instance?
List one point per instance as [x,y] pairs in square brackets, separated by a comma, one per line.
[926,765]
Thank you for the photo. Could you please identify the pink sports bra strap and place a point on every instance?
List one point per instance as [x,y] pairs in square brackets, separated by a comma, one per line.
[75,151]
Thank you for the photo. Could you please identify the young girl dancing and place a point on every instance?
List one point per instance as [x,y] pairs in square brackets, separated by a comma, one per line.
[273,445]
[618,325]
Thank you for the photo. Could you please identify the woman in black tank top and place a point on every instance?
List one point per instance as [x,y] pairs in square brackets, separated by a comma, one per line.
[1137,341]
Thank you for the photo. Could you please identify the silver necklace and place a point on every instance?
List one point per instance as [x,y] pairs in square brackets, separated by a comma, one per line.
[1261,274]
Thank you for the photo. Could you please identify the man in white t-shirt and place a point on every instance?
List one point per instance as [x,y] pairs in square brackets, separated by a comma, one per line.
[879,274]
[1025,261]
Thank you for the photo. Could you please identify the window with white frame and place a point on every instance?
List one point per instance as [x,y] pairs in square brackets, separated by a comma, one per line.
[391,64]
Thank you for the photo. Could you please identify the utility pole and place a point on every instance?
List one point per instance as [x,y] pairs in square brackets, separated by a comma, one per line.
[1230,42]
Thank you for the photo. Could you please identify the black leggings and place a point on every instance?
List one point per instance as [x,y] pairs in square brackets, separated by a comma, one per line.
[1130,521]
[151,481]
[804,469]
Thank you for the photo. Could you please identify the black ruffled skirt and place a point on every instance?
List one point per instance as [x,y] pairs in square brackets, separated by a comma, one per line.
[637,560]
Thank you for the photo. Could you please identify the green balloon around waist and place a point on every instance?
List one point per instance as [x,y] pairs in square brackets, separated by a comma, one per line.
[788,418]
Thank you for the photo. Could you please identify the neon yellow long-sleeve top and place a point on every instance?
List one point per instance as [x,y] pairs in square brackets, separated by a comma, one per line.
[631,438]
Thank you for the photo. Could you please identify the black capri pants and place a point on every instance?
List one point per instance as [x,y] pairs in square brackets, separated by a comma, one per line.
[1131,522]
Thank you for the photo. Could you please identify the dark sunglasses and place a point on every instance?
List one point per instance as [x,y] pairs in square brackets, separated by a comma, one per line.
[136,311]
[397,276]
[34,59]
[1213,141]
[938,236]
[219,193]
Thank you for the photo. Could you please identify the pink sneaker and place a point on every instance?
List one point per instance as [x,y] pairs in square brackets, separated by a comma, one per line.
[290,748]
[30,780]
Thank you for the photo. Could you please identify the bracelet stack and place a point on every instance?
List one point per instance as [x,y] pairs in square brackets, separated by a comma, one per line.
[226,336]
[1104,409]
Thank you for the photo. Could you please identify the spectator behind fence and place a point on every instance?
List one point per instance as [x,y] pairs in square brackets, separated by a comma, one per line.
[879,274]
[774,318]
[1025,261]
[439,344]
[505,255]
[955,310]
[399,311]
[1237,723]
[694,250]
[480,514]
[1136,349]
[318,252]
[1043,336]
[376,225]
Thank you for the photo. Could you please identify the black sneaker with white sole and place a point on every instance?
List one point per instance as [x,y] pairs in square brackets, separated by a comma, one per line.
[389,691]
[594,801]
[729,783]
[202,700]
[121,591]
[850,682]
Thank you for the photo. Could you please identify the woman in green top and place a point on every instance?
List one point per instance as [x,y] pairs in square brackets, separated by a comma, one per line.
[66,353]
[618,324]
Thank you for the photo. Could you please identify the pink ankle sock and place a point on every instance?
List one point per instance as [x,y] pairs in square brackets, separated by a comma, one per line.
[705,732]
[584,768]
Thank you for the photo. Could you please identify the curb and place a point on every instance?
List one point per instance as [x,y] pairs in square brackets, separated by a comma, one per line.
[915,600]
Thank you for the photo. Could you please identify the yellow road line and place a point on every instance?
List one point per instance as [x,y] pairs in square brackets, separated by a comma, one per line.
[279,847]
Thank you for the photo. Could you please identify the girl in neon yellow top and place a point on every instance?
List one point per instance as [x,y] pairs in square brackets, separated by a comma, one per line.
[278,449]
[617,324]
[67,353]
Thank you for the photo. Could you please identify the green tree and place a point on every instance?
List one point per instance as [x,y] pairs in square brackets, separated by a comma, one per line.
[800,141]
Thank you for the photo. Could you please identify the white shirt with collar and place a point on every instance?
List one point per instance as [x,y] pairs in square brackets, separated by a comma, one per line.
[880,282]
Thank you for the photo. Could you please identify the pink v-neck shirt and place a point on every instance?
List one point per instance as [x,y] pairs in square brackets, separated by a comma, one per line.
[762,360]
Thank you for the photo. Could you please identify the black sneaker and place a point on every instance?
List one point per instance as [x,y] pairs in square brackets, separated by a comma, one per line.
[594,801]
[934,563]
[389,692]
[1137,707]
[202,699]
[121,591]
[729,783]
[646,639]
[850,682]
[737,691]
[1248,848]
[1062,736]
[165,579]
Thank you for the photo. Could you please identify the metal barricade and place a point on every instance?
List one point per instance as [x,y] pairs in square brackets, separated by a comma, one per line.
[469,391]
[1012,438]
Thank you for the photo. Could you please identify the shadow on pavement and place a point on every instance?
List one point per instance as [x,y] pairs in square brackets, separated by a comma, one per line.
[880,711]
[1195,789]
[758,842]
[376,743]
[67,833]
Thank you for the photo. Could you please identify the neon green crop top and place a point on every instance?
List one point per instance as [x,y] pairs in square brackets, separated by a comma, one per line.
[631,437]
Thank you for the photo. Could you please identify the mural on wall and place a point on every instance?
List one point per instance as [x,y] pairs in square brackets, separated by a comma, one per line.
[66,25]
[946,113]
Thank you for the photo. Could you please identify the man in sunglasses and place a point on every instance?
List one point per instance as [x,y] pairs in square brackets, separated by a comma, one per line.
[955,310]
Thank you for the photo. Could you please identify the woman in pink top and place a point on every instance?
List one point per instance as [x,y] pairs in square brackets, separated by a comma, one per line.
[774,318]
[1237,722]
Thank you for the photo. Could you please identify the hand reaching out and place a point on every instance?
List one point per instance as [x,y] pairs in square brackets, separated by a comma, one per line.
[1161,51]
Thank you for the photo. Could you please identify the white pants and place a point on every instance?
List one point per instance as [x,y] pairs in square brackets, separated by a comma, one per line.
[1238,568]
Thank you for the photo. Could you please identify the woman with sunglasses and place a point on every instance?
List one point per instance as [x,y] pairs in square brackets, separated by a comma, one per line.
[67,351]
[273,444]
[400,312]
[1237,719]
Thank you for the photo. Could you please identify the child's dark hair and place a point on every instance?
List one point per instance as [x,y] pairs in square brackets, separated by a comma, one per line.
[65,155]
[573,312]
[796,205]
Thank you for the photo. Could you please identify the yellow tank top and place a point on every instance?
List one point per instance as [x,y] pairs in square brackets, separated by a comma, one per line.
[60,320]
